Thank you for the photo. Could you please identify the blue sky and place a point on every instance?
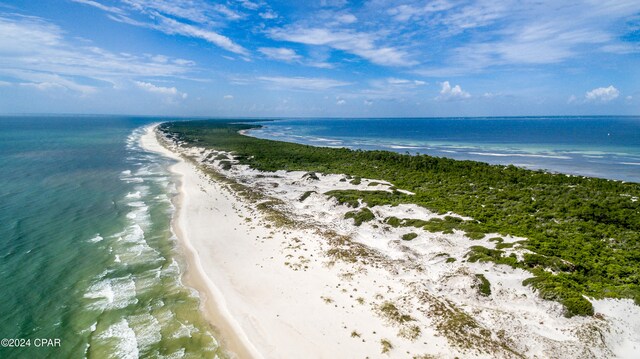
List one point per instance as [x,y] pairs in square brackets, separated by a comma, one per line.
[320,58]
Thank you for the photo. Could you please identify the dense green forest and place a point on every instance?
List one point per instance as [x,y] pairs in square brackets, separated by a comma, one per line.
[584,232]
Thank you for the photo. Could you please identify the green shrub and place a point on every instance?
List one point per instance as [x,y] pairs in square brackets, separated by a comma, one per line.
[311,176]
[483,254]
[484,287]
[475,235]
[225,165]
[577,305]
[361,216]
[306,195]
[409,236]
[505,245]
[562,288]
[392,221]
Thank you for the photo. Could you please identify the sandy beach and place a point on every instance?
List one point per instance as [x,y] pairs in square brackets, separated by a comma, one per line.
[322,287]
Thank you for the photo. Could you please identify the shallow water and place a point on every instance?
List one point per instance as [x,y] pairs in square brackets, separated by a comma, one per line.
[606,147]
[87,253]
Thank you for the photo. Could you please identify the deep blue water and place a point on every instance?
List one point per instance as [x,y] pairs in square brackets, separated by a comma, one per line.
[607,147]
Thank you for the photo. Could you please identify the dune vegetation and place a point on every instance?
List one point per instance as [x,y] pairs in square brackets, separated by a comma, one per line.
[583,233]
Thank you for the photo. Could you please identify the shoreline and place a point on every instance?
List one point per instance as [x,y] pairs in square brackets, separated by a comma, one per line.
[334,289]
[212,304]
[610,163]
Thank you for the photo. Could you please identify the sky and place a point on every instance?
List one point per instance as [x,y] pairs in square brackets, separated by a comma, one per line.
[326,58]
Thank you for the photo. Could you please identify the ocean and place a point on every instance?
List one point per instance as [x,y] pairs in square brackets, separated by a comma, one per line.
[87,255]
[605,147]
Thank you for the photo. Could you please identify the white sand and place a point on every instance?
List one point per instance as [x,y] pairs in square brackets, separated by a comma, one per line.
[277,293]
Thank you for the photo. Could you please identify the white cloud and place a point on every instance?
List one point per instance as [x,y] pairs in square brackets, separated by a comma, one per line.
[448,93]
[404,82]
[228,13]
[320,64]
[347,18]
[172,27]
[5,83]
[357,43]
[289,55]
[43,86]
[368,102]
[602,94]
[268,15]
[183,62]
[160,58]
[35,52]
[100,6]
[406,12]
[196,11]
[167,91]
[303,83]
[228,97]
[392,88]
[340,101]
[44,81]
[537,33]
[629,98]
[161,15]
[280,53]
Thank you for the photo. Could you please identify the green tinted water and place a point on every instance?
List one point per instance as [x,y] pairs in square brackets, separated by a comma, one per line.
[86,251]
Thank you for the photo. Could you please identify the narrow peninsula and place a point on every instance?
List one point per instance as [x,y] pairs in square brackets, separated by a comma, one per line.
[305,251]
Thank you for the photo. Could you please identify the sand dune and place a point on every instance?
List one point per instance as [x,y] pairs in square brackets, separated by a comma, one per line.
[283,277]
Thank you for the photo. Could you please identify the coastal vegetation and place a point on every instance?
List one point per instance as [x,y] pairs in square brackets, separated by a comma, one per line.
[409,236]
[361,216]
[483,285]
[583,233]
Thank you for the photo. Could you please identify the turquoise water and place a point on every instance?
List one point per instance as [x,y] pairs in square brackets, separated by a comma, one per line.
[607,147]
[86,251]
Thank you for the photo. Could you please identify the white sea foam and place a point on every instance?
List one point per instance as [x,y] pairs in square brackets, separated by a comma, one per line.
[147,330]
[184,331]
[133,247]
[172,270]
[127,347]
[112,293]
[95,239]
[133,179]
[134,233]
[135,194]
[630,163]
[399,147]
[101,290]
[140,207]
[140,214]
[519,155]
